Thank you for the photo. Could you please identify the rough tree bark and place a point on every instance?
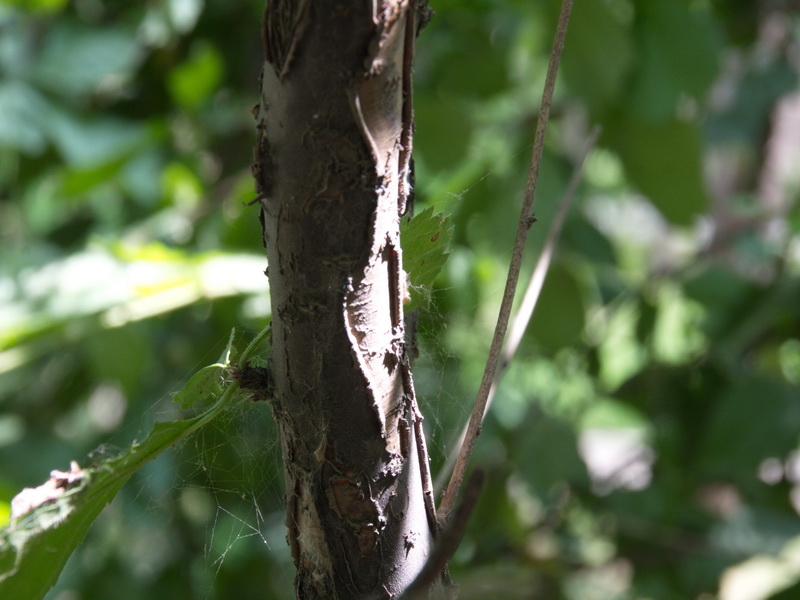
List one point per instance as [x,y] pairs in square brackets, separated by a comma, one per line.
[332,171]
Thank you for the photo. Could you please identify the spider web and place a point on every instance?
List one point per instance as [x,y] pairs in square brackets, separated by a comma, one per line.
[224,485]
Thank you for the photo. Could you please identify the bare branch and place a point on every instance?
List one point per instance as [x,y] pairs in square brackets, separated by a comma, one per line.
[534,288]
[474,426]
[525,311]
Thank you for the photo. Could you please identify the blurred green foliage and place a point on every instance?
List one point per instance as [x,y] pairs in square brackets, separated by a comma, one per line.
[51,520]
[643,444]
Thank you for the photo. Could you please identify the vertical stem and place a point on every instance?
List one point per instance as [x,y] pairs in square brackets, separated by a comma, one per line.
[525,221]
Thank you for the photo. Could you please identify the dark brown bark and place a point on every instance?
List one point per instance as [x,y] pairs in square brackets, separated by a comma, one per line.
[332,174]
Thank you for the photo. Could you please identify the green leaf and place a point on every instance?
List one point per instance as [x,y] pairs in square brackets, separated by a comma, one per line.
[546,452]
[599,55]
[559,317]
[36,546]
[25,109]
[728,298]
[205,384]
[425,240]
[193,82]
[77,59]
[181,185]
[38,6]
[664,160]
[680,56]
[754,419]
[443,129]
[225,357]
[129,368]
[89,143]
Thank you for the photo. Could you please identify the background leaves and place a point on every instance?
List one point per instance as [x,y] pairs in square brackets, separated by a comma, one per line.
[643,443]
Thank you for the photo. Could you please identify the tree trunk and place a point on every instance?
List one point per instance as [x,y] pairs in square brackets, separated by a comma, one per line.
[332,172]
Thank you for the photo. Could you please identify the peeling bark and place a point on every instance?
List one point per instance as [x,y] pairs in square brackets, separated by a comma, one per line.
[332,174]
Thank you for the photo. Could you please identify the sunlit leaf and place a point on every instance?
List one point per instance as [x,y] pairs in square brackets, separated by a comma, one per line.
[181,185]
[195,80]
[39,6]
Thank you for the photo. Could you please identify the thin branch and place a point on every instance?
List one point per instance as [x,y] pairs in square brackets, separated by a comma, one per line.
[416,419]
[534,288]
[525,311]
[448,541]
[525,221]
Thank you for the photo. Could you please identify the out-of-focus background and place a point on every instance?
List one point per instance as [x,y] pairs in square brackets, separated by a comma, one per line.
[644,444]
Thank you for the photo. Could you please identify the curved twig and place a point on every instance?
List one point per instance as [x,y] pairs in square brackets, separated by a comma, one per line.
[534,288]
